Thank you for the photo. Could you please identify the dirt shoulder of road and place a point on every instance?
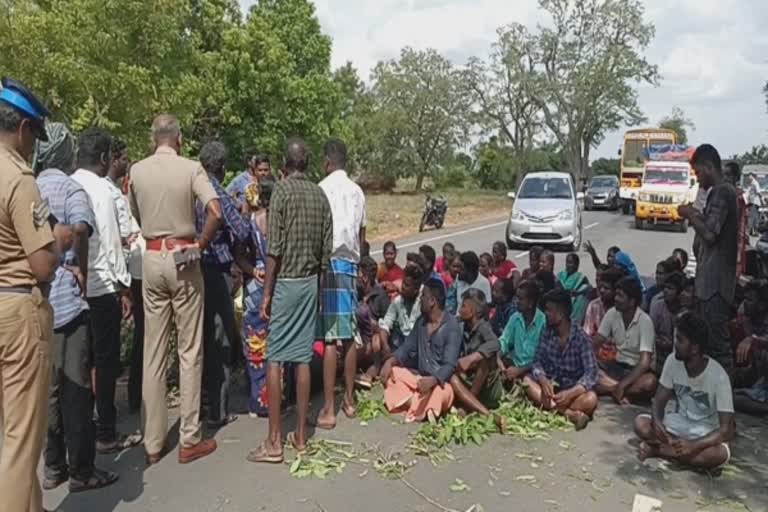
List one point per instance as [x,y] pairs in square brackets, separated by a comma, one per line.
[397,215]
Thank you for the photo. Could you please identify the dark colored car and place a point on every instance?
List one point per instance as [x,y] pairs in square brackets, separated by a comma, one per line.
[603,192]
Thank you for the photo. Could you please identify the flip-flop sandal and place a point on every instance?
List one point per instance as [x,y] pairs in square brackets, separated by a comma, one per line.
[223,422]
[322,426]
[362,382]
[50,484]
[98,480]
[261,456]
[291,439]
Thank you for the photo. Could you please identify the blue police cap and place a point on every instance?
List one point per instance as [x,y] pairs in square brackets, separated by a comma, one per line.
[17,95]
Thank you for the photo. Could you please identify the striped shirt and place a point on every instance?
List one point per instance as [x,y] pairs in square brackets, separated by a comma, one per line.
[68,202]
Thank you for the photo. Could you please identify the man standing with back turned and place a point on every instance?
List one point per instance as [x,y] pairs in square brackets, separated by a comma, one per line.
[164,188]
[300,242]
[337,320]
[28,260]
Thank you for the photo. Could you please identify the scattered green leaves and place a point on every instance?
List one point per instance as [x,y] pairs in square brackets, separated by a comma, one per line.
[527,421]
[370,404]
[459,486]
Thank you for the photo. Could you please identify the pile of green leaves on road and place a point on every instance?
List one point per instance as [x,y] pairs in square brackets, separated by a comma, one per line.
[370,404]
[522,419]
[525,420]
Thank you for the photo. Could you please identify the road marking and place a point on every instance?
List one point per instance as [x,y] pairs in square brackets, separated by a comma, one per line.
[442,237]
[526,253]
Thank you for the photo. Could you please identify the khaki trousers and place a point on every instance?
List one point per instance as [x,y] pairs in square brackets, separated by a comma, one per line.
[171,295]
[26,335]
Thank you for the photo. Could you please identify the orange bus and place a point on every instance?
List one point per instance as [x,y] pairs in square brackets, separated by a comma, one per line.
[634,155]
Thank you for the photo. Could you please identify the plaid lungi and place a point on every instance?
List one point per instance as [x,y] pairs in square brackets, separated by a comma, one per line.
[339,302]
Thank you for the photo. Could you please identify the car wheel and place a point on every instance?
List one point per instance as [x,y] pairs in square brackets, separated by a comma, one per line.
[625,208]
[639,224]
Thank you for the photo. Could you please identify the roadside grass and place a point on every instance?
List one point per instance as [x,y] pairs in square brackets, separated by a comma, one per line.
[398,214]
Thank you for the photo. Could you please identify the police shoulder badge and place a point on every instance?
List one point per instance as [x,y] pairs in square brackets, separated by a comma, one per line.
[40,213]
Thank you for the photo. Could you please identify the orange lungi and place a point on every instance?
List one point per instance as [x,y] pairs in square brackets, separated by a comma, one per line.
[403,395]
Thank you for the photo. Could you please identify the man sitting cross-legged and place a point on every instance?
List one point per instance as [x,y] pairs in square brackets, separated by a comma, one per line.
[631,329]
[521,336]
[564,369]
[698,433]
[417,377]
[476,382]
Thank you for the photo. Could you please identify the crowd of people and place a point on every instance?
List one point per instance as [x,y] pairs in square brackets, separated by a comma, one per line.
[275,271]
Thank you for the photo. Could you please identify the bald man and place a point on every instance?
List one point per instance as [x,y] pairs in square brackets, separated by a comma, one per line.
[164,188]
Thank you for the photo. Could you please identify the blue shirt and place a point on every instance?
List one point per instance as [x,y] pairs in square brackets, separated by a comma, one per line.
[234,228]
[574,365]
[236,187]
[68,202]
[520,340]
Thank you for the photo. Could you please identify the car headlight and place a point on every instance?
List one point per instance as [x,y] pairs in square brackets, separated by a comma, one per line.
[565,215]
[644,197]
[518,215]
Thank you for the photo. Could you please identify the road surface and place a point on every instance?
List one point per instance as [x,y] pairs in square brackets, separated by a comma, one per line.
[594,470]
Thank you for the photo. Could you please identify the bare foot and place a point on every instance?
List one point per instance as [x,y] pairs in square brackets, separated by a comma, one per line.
[501,423]
[578,418]
[646,451]
[349,409]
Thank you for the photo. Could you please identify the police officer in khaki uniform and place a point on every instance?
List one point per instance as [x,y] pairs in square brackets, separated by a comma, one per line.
[164,188]
[28,259]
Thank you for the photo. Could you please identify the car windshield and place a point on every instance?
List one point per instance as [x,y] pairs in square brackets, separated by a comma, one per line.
[603,182]
[545,188]
[762,179]
[668,175]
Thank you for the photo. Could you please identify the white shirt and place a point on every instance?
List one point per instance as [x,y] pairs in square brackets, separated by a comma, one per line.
[123,213]
[348,211]
[106,263]
[136,252]
[481,283]
[699,399]
[754,194]
[639,336]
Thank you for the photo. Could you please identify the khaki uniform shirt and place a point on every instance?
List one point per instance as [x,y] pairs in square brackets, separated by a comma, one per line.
[164,188]
[24,226]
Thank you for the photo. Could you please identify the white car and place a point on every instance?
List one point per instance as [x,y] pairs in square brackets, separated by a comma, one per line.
[546,212]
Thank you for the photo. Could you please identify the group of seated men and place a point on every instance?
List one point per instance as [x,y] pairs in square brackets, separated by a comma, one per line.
[457,331]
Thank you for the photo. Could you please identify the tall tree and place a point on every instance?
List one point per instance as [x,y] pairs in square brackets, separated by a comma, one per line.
[588,63]
[500,94]
[757,155]
[421,112]
[677,122]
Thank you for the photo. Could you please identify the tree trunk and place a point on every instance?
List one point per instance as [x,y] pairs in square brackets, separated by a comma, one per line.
[419,182]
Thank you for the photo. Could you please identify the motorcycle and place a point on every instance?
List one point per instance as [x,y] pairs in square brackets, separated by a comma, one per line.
[435,209]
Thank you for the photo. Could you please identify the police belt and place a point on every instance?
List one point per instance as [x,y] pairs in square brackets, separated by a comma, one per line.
[26,290]
[44,288]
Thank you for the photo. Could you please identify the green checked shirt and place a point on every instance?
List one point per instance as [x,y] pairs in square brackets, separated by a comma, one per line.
[300,228]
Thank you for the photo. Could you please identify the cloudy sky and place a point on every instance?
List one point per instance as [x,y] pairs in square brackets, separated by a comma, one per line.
[712,54]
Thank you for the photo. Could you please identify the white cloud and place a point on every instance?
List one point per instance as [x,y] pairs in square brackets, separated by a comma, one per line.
[712,54]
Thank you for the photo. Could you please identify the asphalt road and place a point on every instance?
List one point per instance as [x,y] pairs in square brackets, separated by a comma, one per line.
[594,470]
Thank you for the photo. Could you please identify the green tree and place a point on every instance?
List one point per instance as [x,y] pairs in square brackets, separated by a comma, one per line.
[757,155]
[249,82]
[677,122]
[499,93]
[588,62]
[610,166]
[419,112]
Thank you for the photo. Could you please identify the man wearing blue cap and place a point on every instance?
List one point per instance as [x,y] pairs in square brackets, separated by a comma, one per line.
[29,255]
